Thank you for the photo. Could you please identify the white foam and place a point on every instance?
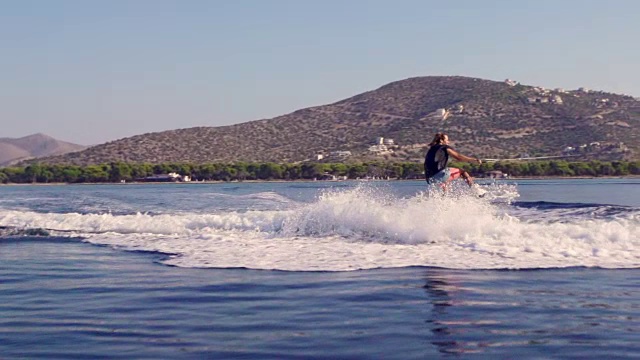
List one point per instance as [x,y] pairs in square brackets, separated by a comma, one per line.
[362,228]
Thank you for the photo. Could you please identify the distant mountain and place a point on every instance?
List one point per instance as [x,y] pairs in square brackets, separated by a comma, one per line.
[33,146]
[484,118]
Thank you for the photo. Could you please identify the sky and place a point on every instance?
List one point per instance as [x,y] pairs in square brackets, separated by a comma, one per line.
[90,71]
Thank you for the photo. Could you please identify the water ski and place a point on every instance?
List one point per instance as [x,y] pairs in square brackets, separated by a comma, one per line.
[480,192]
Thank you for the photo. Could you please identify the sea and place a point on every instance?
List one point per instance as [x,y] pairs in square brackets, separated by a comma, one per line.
[536,269]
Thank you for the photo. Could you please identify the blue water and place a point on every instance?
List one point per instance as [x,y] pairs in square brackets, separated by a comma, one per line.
[76,293]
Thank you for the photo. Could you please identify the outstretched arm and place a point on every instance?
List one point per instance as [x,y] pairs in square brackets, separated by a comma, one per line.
[461,157]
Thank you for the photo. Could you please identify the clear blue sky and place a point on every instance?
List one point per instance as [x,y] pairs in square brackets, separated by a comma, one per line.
[89,71]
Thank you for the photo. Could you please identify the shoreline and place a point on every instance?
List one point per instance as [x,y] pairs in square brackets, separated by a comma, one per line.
[311,181]
[568,177]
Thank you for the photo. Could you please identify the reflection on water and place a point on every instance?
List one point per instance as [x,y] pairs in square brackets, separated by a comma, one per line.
[441,288]
[65,299]
[502,312]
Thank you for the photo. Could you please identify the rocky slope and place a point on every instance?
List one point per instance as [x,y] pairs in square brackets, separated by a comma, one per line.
[484,118]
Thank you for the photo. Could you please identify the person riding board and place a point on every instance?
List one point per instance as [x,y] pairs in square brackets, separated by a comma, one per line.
[437,159]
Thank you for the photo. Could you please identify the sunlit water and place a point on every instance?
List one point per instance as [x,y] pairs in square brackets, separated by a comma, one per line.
[373,270]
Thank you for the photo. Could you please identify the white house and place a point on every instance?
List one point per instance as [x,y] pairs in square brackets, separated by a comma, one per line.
[378,148]
[511,82]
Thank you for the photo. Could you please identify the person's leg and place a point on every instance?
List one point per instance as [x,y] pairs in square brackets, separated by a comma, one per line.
[455,173]
[440,179]
[465,175]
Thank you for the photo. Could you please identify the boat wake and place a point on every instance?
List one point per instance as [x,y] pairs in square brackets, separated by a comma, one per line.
[361,228]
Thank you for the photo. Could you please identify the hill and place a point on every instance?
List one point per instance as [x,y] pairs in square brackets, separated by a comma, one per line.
[13,150]
[488,119]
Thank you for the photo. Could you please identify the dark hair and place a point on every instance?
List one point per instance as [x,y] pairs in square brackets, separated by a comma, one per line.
[438,139]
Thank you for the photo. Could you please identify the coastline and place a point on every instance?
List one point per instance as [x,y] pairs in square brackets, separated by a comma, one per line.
[568,177]
[312,181]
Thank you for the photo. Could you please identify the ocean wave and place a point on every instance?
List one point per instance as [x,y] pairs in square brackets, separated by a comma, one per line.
[368,227]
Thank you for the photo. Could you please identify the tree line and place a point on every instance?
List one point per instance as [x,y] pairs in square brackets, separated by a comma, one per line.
[116,172]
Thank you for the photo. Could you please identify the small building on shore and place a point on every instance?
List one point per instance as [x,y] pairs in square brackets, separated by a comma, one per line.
[170,177]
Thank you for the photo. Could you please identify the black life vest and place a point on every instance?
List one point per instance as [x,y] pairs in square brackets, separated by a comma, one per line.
[436,159]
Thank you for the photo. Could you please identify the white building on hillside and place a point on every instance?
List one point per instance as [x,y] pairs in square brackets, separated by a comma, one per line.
[378,148]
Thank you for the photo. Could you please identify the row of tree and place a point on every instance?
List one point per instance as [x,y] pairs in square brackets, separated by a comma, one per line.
[118,172]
